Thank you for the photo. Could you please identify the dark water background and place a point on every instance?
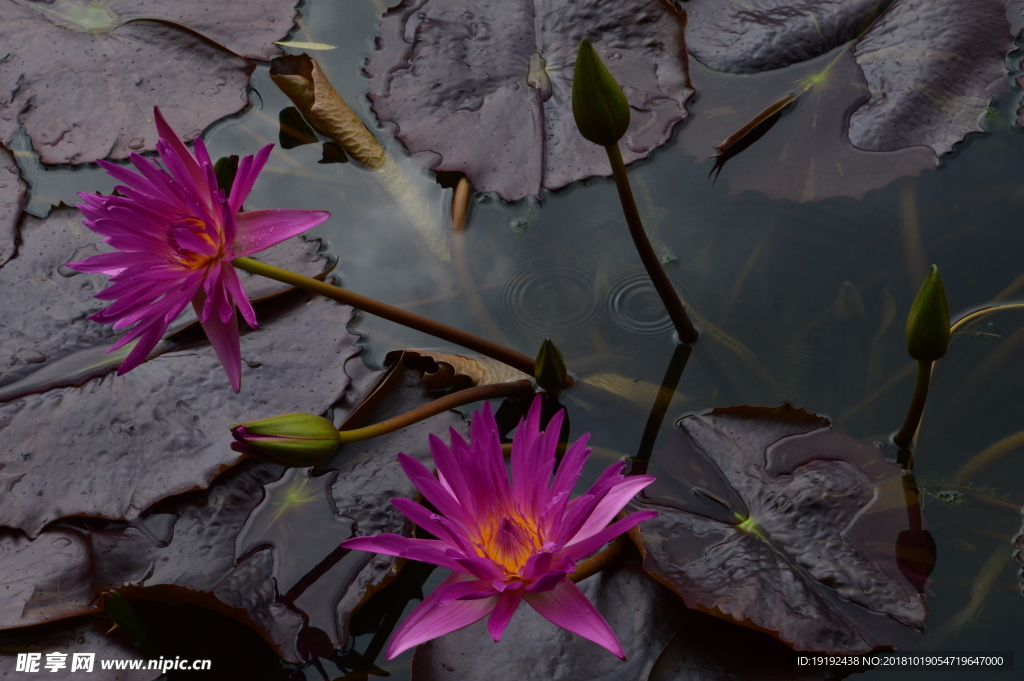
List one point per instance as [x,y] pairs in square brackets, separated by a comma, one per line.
[766,272]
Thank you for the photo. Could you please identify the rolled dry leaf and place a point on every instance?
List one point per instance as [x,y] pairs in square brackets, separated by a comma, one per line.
[300,77]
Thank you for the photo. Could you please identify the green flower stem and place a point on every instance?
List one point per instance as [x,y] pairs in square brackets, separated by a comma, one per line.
[472,342]
[456,399]
[669,298]
[905,437]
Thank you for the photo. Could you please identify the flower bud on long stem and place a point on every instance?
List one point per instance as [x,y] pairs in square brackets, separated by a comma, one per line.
[662,284]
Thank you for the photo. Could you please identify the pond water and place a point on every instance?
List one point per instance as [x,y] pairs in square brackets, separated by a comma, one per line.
[765,273]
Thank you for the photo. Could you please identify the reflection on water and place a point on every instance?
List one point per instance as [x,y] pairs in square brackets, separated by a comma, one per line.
[541,299]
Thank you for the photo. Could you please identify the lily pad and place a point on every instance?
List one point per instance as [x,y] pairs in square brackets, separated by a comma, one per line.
[12,200]
[83,635]
[488,91]
[45,579]
[263,547]
[663,640]
[118,444]
[642,613]
[123,57]
[924,75]
[808,149]
[44,317]
[769,518]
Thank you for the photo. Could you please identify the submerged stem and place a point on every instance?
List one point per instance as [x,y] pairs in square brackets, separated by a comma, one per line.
[456,399]
[669,298]
[513,358]
[905,437]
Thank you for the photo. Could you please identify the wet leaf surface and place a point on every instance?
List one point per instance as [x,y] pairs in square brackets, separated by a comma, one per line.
[919,74]
[124,57]
[83,635]
[808,150]
[705,648]
[117,444]
[12,200]
[932,69]
[263,547]
[770,518]
[45,579]
[505,70]
[642,613]
[46,304]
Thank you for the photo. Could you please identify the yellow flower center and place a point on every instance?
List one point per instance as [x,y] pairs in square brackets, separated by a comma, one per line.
[187,256]
[510,540]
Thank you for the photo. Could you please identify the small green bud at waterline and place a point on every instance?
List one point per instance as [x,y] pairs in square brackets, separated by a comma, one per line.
[225,168]
[849,304]
[928,321]
[598,103]
[296,440]
[549,367]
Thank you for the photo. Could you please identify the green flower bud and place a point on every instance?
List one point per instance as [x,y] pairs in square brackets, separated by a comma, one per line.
[928,321]
[549,367]
[849,304]
[296,440]
[598,103]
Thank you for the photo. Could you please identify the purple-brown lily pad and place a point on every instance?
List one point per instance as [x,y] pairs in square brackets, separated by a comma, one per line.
[642,613]
[771,519]
[84,636]
[807,149]
[46,578]
[118,444]
[46,304]
[83,76]
[261,544]
[920,74]
[663,641]
[12,200]
[486,90]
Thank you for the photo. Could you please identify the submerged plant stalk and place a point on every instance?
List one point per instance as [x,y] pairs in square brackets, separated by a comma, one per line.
[669,297]
[513,358]
[905,437]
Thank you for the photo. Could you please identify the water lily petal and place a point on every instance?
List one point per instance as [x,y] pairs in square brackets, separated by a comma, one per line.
[248,168]
[430,620]
[567,607]
[506,606]
[583,548]
[610,505]
[223,337]
[260,229]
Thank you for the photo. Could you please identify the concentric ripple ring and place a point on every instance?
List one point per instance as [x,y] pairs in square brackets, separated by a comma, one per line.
[549,299]
[634,305]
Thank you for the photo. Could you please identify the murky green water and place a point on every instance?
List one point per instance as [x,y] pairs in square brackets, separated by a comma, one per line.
[766,273]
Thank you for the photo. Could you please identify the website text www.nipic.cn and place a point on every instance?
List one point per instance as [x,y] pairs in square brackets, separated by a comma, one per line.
[86,662]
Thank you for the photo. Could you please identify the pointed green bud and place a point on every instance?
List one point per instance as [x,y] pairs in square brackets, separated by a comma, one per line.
[849,304]
[928,321]
[550,367]
[296,440]
[598,103]
[225,168]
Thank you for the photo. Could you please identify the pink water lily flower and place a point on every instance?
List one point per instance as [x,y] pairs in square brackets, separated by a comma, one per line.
[506,543]
[176,233]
